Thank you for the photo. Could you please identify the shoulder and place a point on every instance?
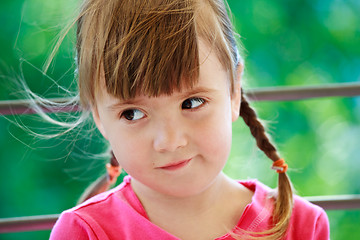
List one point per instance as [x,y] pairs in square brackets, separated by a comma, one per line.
[115,214]
[94,218]
[79,228]
[308,221]
[302,207]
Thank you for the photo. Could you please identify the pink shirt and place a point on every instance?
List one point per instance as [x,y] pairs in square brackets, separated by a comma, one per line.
[118,214]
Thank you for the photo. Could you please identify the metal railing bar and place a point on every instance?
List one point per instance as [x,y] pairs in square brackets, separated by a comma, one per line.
[13,107]
[23,106]
[304,92]
[26,224]
[46,222]
[336,202]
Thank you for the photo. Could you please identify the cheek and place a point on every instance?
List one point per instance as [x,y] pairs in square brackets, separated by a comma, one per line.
[216,134]
[218,142]
[126,149]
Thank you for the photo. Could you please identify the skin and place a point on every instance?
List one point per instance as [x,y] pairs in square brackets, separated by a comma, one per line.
[175,148]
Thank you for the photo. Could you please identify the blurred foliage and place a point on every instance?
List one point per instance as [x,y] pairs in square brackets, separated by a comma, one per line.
[300,42]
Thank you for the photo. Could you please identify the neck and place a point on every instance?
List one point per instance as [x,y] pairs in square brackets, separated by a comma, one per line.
[215,211]
[193,204]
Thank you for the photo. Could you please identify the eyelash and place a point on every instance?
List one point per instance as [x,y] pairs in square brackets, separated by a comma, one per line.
[202,102]
[132,112]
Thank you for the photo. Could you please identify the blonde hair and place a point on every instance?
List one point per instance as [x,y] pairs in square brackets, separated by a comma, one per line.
[151,47]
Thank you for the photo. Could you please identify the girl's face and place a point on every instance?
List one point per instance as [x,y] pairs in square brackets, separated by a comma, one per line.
[175,145]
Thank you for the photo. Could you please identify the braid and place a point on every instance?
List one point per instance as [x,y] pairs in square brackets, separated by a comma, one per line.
[284,199]
[257,129]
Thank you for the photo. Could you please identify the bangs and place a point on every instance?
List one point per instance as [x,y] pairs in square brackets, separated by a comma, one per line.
[151,49]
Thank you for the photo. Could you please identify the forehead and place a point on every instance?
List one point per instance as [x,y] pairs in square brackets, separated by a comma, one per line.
[211,67]
[212,77]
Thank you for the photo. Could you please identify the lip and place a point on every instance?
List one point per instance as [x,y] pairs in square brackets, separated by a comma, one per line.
[175,165]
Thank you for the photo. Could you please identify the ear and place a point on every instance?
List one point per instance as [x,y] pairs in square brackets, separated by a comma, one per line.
[97,120]
[236,95]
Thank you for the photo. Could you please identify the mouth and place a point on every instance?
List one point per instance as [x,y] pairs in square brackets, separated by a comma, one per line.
[175,165]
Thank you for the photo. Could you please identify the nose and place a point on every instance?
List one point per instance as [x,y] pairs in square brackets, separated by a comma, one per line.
[169,136]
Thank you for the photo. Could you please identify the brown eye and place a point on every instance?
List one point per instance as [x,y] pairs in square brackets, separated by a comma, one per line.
[192,103]
[132,114]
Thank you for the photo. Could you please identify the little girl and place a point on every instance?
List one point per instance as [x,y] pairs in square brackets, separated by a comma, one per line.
[162,79]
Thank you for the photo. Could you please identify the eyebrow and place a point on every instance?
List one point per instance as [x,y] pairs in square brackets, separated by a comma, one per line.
[120,103]
[137,101]
[195,91]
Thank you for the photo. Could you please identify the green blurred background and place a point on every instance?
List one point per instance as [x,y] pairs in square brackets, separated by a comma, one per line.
[292,43]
